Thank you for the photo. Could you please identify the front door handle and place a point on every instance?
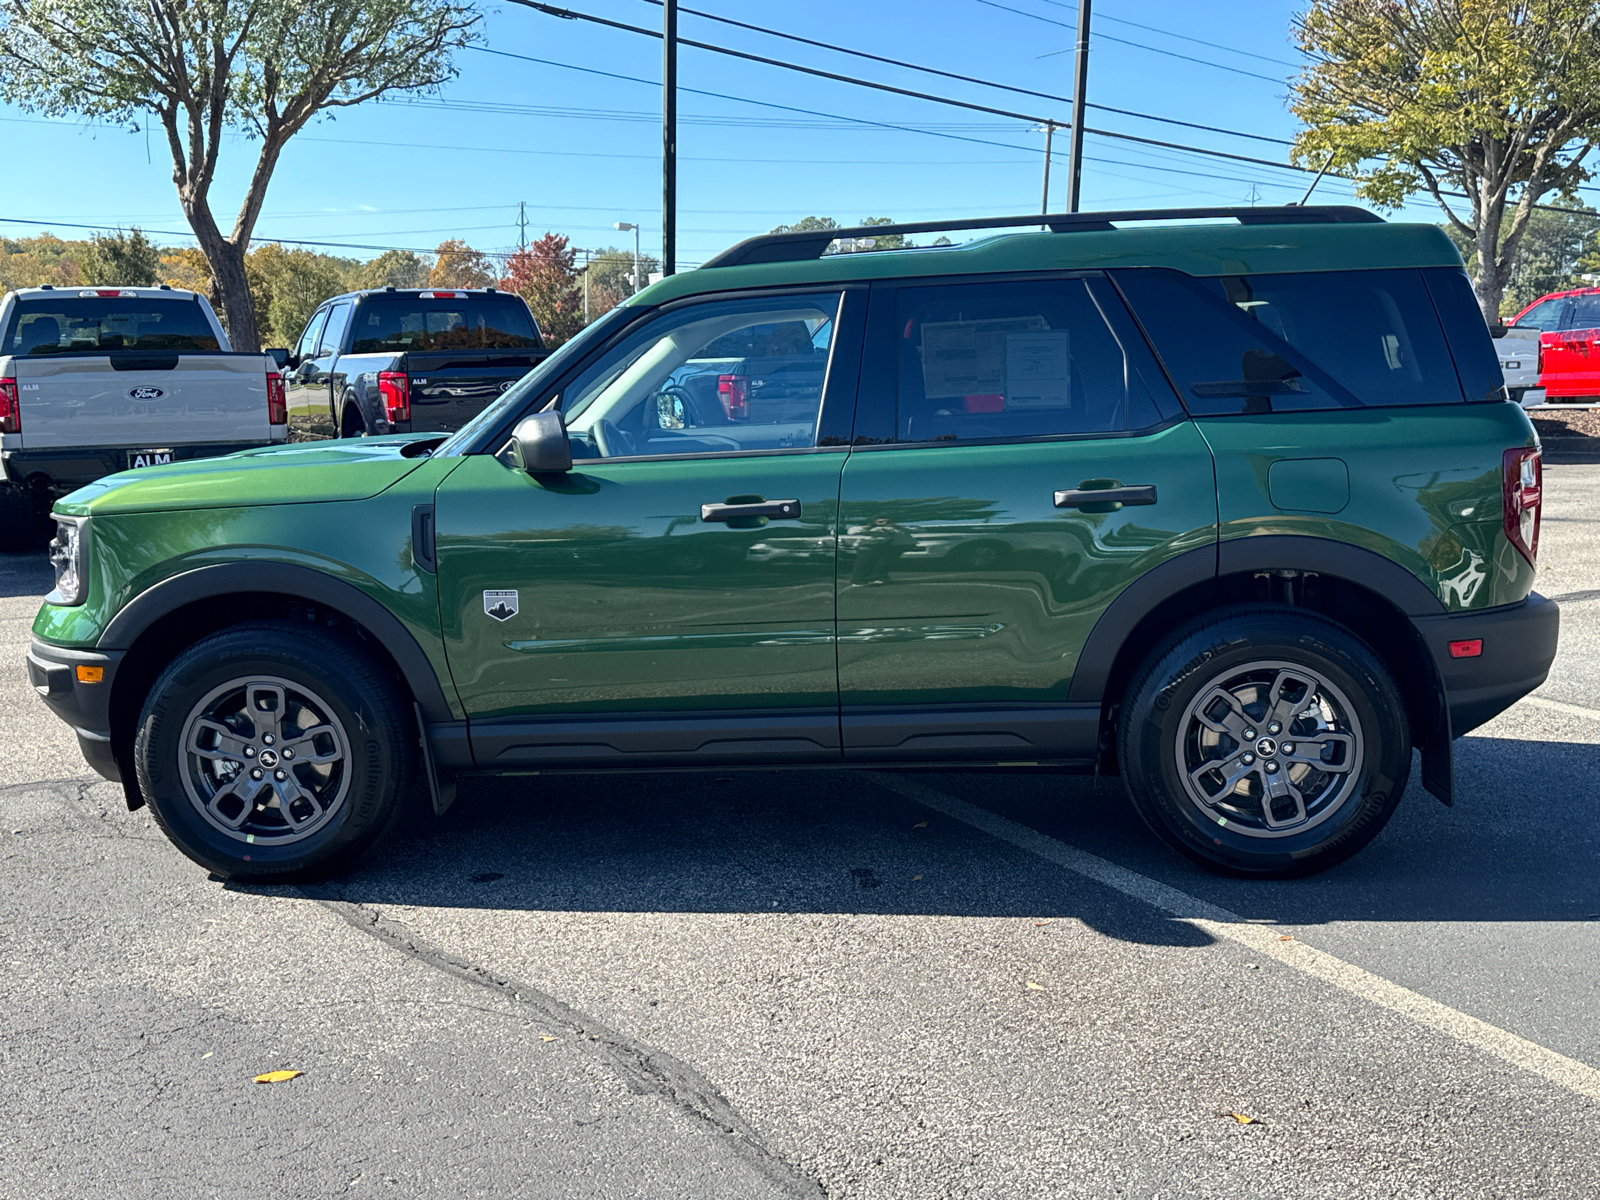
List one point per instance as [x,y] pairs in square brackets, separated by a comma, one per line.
[1143,493]
[777,510]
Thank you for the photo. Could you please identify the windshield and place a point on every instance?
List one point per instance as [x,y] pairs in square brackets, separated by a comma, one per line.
[96,324]
[405,321]
[527,388]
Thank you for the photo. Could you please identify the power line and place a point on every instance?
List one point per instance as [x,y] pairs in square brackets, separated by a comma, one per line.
[1180,36]
[1204,62]
[1021,91]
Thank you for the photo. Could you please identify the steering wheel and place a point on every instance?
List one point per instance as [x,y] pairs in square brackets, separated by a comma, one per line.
[612,441]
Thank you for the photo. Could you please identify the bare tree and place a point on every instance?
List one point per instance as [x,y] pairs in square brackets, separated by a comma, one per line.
[204,67]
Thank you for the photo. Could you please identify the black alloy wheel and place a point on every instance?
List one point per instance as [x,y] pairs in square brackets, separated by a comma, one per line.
[1264,740]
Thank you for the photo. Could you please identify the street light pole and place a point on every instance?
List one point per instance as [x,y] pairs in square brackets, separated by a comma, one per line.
[1080,86]
[669,137]
[625,226]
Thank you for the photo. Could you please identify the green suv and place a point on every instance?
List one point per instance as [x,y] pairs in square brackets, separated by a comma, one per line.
[1235,507]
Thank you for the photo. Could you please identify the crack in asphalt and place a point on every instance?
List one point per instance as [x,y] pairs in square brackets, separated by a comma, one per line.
[646,1069]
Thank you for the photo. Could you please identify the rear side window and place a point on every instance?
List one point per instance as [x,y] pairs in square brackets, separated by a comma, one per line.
[395,324]
[1295,343]
[1583,312]
[95,325]
[996,361]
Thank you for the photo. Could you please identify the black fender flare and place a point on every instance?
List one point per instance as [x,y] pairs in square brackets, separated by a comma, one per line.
[295,582]
[1271,552]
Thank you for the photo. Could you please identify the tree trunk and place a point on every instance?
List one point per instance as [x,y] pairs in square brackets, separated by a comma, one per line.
[1489,283]
[233,286]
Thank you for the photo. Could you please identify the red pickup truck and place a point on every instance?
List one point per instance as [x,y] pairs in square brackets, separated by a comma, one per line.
[1569,343]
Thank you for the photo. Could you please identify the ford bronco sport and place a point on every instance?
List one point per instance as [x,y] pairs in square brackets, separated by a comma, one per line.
[1239,510]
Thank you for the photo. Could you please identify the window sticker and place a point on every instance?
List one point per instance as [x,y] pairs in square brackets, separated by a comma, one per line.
[1039,369]
[967,358]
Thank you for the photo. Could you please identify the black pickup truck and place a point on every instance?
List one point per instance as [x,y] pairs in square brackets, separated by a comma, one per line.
[403,360]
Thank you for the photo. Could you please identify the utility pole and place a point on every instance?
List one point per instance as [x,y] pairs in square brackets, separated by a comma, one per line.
[669,137]
[588,259]
[1080,92]
[522,225]
[1049,133]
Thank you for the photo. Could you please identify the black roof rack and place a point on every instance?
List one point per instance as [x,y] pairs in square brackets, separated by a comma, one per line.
[813,243]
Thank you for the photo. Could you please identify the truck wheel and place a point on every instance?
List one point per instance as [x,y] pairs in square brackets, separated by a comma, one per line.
[1264,741]
[352,423]
[273,751]
[20,527]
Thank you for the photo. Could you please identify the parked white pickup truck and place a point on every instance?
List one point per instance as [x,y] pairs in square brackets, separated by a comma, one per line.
[99,380]
[1518,351]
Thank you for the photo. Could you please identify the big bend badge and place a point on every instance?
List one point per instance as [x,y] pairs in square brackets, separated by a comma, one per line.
[501,604]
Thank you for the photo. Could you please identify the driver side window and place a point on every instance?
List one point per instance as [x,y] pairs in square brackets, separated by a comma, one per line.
[708,379]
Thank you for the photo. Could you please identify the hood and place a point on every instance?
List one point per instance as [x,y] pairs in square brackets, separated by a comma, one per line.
[304,473]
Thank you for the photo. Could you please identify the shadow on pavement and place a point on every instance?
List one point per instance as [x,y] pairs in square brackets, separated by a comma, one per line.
[1520,844]
[27,574]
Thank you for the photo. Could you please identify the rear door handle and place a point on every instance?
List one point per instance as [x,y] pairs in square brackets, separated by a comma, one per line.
[1143,493]
[777,510]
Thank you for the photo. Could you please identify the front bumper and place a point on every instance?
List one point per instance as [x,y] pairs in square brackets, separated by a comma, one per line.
[1519,644]
[53,671]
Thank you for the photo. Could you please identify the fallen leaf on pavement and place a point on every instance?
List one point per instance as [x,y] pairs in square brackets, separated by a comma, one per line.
[1046,921]
[546,1038]
[277,1076]
[1286,937]
[914,878]
[1242,1118]
[920,825]
[1036,987]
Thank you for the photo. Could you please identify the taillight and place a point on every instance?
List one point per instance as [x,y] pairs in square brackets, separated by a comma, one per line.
[277,402]
[734,392]
[395,388]
[10,407]
[1523,481]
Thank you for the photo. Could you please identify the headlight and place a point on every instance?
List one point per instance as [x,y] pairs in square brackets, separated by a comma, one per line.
[66,556]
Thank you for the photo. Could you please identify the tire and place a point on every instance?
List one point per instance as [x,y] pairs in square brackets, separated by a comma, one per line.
[21,528]
[352,423]
[1206,695]
[324,699]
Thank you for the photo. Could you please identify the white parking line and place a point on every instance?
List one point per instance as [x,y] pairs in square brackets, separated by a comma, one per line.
[1561,706]
[1264,939]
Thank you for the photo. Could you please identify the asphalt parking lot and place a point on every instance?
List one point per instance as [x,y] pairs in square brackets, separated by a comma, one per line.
[818,984]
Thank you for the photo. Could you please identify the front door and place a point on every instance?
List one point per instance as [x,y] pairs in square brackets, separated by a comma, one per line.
[976,554]
[672,598]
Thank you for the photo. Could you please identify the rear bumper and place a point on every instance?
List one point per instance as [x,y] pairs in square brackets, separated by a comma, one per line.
[75,466]
[53,671]
[1519,644]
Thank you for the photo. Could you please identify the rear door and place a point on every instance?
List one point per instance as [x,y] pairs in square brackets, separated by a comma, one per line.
[1572,352]
[975,554]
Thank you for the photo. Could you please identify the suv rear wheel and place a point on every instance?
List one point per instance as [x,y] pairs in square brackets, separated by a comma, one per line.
[273,751]
[1265,741]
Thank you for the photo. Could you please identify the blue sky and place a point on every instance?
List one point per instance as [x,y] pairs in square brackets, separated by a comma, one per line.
[582,150]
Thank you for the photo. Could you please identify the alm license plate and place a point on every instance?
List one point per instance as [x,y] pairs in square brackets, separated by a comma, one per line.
[148,458]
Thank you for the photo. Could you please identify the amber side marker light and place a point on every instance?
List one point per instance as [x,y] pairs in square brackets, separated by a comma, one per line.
[1467,649]
[96,674]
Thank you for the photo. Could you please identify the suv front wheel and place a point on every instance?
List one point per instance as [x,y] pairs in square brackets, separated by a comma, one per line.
[1265,741]
[274,751]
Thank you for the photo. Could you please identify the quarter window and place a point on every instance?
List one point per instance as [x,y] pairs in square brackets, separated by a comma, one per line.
[709,379]
[996,361]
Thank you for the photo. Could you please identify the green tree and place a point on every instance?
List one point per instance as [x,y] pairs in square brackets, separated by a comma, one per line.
[287,286]
[122,260]
[1557,247]
[209,68]
[458,265]
[807,225]
[394,268]
[1499,99]
[610,274]
[31,262]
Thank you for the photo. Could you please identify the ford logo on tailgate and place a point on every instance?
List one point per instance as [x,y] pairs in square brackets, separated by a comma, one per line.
[146,393]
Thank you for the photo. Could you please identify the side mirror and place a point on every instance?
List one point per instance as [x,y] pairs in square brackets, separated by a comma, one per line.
[1498,329]
[280,356]
[539,444]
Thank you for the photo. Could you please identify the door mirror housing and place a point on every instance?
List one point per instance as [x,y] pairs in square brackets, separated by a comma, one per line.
[539,444]
[1498,330]
[281,356]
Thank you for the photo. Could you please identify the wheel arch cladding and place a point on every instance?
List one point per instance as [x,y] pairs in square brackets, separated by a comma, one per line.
[177,612]
[1373,596]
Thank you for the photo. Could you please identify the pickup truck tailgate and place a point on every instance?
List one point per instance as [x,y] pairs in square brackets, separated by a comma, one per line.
[448,389]
[140,399]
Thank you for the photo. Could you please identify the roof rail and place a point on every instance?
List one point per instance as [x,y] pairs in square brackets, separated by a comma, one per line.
[813,243]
